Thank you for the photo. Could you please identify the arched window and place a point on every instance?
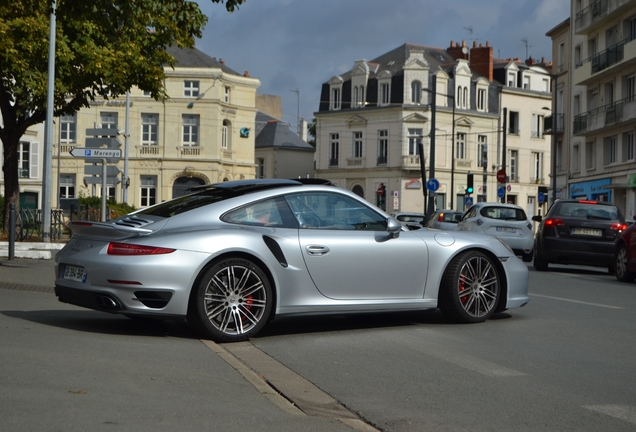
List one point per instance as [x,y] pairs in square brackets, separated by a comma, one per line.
[361,95]
[465,97]
[416,92]
[356,102]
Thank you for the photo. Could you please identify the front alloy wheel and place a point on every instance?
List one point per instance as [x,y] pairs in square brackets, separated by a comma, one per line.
[232,301]
[622,272]
[470,289]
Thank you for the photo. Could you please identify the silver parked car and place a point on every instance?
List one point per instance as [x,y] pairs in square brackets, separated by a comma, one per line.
[445,219]
[505,221]
[232,256]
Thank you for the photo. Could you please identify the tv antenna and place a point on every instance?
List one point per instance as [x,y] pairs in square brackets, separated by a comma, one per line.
[525,41]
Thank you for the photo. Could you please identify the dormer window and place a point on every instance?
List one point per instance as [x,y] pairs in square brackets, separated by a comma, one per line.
[512,79]
[335,98]
[481,99]
[358,96]
[416,92]
[385,93]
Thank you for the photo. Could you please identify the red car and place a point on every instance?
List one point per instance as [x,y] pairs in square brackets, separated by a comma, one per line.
[625,254]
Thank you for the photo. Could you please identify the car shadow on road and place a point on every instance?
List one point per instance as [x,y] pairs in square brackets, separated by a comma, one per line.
[99,322]
[334,323]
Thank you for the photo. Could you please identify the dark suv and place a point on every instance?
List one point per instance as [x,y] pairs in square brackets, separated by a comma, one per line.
[579,232]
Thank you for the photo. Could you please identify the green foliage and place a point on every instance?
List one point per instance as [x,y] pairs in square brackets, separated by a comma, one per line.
[311,131]
[102,49]
[118,209]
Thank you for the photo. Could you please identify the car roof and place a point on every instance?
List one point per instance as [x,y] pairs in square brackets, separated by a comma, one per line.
[496,204]
[255,185]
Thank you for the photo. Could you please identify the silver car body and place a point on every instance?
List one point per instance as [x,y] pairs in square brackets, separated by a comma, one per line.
[312,271]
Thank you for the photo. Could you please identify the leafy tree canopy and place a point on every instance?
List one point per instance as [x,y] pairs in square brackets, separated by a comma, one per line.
[103,48]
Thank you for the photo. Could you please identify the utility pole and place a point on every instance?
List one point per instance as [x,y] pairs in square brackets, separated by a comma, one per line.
[47,176]
[431,159]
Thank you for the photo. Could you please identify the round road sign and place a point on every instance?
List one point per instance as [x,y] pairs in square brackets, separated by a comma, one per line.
[501,176]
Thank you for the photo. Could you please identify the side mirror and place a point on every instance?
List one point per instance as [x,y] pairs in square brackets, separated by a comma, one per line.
[537,218]
[393,227]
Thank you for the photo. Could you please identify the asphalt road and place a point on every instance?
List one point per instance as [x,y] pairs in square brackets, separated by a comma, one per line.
[563,362]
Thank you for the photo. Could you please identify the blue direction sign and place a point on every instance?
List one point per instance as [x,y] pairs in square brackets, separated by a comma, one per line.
[432,184]
[541,197]
[96,155]
[500,192]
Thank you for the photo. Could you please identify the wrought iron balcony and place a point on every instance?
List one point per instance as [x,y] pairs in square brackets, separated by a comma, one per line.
[548,124]
[606,115]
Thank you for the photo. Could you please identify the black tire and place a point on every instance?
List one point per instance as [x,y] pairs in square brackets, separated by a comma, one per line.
[620,266]
[527,257]
[470,288]
[232,301]
[540,263]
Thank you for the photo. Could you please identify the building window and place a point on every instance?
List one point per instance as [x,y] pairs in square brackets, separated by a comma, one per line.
[526,82]
[335,98]
[361,96]
[190,130]
[149,129]
[561,56]
[460,149]
[226,135]
[67,185]
[191,89]
[481,100]
[260,168]
[590,155]
[24,160]
[611,150]
[513,170]
[334,149]
[482,151]
[385,94]
[416,92]
[68,129]
[109,120]
[576,158]
[357,144]
[226,95]
[537,126]
[537,167]
[383,147]
[146,93]
[628,146]
[513,123]
[148,191]
[415,139]
[630,88]
[110,192]
[512,79]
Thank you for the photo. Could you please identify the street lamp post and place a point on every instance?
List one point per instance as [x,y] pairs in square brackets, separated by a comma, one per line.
[555,127]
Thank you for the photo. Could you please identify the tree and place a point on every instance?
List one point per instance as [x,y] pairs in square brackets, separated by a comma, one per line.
[311,130]
[103,48]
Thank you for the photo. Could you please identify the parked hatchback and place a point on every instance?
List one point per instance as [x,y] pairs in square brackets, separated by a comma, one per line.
[579,232]
[506,221]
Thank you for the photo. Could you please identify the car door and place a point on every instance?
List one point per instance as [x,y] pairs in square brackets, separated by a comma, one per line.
[349,253]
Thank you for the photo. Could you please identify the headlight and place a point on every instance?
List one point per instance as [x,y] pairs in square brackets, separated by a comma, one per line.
[506,245]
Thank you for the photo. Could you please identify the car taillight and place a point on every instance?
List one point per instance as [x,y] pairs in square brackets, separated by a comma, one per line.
[440,218]
[554,222]
[133,249]
[617,226]
[588,202]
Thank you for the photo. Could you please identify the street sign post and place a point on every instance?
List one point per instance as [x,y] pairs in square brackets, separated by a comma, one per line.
[97,155]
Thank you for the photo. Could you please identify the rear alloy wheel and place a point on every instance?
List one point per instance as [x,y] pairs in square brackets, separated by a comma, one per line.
[622,273]
[470,288]
[232,301]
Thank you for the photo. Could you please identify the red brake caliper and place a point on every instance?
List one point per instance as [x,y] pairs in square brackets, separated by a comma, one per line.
[462,287]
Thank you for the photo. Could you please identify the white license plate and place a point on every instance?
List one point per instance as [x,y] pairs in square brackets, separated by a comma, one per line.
[76,274]
[587,231]
[505,229]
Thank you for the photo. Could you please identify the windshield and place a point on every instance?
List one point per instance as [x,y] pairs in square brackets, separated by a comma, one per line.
[588,211]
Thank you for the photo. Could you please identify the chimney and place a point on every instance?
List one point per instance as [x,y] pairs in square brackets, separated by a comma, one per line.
[482,60]
[456,51]
[303,129]
[530,61]
[246,74]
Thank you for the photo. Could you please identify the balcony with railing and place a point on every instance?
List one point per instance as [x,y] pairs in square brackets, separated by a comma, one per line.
[146,151]
[189,151]
[411,162]
[355,162]
[607,115]
[599,13]
[548,124]
[622,53]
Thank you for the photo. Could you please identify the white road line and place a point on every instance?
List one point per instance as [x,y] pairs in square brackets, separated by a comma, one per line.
[577,301]
[623,412]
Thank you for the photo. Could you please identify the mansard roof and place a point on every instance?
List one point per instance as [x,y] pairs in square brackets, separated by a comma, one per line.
[271,132]
[193,58]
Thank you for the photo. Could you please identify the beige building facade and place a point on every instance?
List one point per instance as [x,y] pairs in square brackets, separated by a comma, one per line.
[202,134]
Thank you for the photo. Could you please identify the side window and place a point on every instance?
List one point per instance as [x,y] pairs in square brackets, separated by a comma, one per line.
[271,212]
[332,211]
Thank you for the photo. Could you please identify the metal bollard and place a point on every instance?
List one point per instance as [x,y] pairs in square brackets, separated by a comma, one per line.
[12,217]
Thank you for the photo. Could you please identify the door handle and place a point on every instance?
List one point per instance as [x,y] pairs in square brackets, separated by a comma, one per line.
[317,250]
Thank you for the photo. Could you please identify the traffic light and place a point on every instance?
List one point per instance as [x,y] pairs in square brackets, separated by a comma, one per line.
[469,183]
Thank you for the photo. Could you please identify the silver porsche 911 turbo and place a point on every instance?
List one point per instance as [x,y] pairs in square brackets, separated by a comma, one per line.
[232,256]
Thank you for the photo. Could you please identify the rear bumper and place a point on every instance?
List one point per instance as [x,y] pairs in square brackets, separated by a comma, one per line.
[566,251]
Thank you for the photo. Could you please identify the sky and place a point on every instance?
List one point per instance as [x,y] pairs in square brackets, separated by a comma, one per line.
[294,46]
